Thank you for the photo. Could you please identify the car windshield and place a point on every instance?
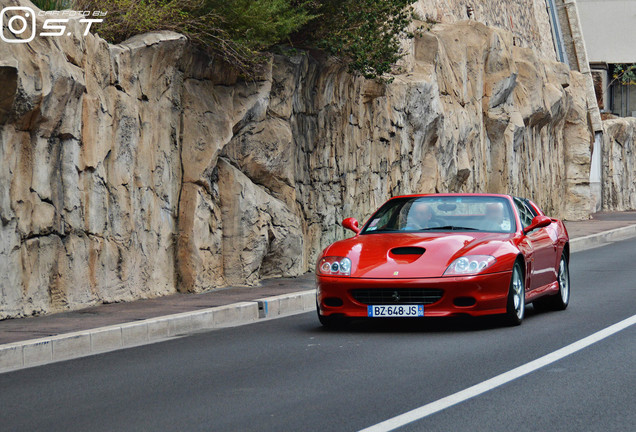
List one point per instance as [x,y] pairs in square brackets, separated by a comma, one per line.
[443,213]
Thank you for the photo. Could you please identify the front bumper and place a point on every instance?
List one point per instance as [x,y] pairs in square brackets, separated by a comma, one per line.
[477,295]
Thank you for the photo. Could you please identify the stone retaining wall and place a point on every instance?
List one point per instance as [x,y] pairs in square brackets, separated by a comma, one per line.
[619,164]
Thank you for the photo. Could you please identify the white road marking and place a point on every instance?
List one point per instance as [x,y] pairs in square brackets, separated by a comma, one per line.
[499,380]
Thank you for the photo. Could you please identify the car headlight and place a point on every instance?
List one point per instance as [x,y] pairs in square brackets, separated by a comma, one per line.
[469,264]
[334,266]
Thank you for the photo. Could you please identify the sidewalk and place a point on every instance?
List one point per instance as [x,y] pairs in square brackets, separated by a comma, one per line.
[34,341]
[15,330]
[602,221]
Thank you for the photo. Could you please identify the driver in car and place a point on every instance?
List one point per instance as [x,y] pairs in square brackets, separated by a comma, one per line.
[421,216]
[494,217]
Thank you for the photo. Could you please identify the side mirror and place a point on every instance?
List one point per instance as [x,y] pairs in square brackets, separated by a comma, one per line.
[537,222]
[352,224]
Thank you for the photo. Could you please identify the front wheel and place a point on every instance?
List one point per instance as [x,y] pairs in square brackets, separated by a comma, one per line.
[516,307]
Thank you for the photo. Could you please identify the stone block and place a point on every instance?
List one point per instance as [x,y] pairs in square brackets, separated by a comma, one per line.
[37,353]
[71,346]
[106,339]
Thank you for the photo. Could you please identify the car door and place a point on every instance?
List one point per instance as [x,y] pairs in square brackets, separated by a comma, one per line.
[542,268]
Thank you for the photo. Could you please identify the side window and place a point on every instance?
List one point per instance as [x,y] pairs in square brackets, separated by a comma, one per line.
[525,213]
[532,210]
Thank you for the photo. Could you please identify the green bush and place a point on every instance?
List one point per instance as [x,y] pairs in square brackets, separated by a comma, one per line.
[127,18]
[259,24]
[235,29]
[363,33]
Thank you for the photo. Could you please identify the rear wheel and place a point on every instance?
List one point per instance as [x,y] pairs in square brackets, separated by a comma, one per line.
[560,300]
[516,307]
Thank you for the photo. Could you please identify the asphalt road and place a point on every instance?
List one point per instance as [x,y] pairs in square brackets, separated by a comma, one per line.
[290,374]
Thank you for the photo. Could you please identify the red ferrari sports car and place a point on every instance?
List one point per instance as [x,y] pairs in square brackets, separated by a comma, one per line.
[444,255]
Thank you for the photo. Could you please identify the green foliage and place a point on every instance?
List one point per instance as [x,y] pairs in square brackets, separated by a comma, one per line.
[235,29]
[364,33]
[127,18]
[625,73]
[259,24]
[47,5]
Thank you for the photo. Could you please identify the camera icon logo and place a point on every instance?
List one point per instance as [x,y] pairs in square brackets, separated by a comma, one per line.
[21,21]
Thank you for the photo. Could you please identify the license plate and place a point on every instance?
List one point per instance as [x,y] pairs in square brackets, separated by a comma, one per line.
[395,311]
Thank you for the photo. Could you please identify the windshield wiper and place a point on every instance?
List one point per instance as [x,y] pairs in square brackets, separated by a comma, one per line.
[450,227]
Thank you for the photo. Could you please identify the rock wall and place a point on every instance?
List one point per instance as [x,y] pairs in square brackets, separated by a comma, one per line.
[619,164]
[527,20]
[140,169]
[90,172]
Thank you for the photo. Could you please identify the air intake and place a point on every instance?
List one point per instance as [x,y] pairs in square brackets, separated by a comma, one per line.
[408,250]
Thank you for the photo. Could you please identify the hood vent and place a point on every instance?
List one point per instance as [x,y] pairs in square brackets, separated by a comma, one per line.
[408,250]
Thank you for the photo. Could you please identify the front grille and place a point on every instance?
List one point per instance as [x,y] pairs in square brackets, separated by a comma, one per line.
[397,296]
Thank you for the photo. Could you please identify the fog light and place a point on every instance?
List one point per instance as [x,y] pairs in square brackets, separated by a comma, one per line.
[464,301]
[333,302]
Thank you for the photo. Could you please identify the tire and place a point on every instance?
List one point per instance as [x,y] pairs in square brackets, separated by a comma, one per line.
[516,306]
[331,321]
[560,300]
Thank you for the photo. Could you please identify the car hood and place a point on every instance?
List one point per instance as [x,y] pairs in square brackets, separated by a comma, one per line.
[414,255]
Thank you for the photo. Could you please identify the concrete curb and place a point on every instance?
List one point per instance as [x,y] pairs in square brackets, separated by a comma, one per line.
[600,239]
[36,352]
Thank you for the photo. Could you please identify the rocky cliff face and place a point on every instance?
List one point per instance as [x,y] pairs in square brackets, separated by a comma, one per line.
[527,20]
[619,164]
[90,172]
[140,169]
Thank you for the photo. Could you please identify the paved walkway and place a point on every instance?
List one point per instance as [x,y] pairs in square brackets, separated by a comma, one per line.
[16,330]
[602,221]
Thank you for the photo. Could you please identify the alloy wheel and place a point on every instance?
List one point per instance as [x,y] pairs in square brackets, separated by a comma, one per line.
[518,293]
[564,281]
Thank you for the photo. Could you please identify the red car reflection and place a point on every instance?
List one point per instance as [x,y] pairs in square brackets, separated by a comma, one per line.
[445,255]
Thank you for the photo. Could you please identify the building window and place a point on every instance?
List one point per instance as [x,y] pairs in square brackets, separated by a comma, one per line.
[622,90]
[623,100]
